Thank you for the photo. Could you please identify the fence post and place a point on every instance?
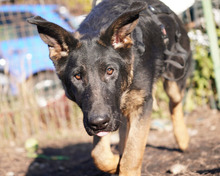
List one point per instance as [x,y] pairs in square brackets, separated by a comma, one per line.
[215,53]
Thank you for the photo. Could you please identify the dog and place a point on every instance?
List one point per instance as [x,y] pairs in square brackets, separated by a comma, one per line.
[109,67]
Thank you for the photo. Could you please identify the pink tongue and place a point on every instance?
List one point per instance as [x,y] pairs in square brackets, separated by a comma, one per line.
[102,133]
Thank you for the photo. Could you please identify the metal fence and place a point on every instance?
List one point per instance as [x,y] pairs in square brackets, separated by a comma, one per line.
[32,100]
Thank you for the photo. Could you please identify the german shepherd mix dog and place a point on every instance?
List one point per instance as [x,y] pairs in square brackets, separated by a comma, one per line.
[109,66]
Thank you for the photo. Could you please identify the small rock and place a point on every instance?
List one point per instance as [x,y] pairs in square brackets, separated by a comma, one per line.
[42,166]
[204,154]
[31,145]
[177,169]
[61,168]
[37,166]
[12,143]
[10,174]
[193,132]
[34,166]
[168,128]
[212,128]
[19,150]
[161,125]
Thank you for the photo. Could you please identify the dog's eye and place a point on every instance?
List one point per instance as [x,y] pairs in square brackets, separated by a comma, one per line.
[109,71]
[78,76]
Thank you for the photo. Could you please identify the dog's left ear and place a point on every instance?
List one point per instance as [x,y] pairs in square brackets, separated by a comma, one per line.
[118,34]
[59,41]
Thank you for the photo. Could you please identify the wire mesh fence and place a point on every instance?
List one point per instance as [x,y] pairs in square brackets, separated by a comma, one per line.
[32,99]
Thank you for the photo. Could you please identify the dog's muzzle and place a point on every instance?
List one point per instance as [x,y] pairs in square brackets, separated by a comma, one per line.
[100,125]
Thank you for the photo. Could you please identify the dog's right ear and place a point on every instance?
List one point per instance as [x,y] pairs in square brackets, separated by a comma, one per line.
[118,34]
[59,41]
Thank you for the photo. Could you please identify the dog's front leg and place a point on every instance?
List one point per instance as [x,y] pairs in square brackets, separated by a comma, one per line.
[102,155]
[137,131]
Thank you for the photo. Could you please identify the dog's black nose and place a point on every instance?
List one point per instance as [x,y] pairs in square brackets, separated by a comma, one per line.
[98,122]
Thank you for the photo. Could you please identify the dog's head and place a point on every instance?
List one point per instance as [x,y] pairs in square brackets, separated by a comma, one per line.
[94,71]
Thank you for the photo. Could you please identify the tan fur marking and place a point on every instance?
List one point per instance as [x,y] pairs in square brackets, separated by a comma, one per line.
[173,91]
[138,125]
[54,52]
[79,44]
[102,155]
[130,77]
[101,43]
[128,42]
[122,36]
[123,43]
[65,47]
[77,35]
[131,101]
[176,110]
[179,127]
[137,132]
[155,105]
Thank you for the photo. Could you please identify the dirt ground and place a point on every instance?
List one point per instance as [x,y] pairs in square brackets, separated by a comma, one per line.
[202,157]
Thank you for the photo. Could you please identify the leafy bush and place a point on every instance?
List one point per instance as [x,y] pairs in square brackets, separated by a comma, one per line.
[202,88]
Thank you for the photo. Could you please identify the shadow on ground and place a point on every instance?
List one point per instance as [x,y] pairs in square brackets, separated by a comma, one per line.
[209,171]
[71,160]
[201,158]
[75,160]
[164,148]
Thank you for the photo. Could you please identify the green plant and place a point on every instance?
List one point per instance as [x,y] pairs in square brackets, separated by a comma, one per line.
[202,82]
[161,102]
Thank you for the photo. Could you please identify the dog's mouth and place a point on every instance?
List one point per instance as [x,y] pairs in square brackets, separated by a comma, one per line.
[101,133]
